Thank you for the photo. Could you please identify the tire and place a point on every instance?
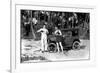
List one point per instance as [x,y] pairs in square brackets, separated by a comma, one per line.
[76,45]
[52,47]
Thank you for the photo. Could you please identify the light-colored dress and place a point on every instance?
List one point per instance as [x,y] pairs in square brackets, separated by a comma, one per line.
[44,32]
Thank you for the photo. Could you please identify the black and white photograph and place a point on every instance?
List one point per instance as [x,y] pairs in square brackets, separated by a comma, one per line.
[53,36]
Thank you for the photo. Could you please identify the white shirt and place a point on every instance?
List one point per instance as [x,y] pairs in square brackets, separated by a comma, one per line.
[43,31]
[34,20]
[58,32]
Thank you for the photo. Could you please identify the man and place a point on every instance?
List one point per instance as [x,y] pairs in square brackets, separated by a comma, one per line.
[58,41]
[27,27]
[44,32]
[34,21]
[73,19]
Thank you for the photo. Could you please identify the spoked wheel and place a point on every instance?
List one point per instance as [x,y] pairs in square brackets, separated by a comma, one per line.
[76,45]
[52,47]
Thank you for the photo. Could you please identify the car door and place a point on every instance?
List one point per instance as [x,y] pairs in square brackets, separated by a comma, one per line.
[68,38]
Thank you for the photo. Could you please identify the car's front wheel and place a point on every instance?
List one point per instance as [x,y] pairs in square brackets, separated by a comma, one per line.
[52,47]
[76,45]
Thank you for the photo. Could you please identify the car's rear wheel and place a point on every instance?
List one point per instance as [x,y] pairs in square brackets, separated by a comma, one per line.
[76,45]
[52,47]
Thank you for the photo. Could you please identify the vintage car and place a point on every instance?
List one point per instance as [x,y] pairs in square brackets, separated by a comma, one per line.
[69,39]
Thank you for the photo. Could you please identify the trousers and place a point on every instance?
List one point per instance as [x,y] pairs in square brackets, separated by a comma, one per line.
[44,43]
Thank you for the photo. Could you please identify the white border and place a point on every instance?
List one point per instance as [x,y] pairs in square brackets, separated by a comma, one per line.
[15,61]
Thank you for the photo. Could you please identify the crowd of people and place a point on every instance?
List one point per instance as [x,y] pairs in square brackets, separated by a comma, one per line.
[32,20]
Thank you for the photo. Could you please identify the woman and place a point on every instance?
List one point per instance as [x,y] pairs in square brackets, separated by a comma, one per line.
[58,41]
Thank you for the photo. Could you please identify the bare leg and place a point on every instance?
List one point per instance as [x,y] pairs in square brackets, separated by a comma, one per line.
[57,47]
[61,46]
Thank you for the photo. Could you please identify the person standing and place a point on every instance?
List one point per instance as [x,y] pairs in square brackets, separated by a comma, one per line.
[34,22]
[73,20]
[44,32]
[59,39]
